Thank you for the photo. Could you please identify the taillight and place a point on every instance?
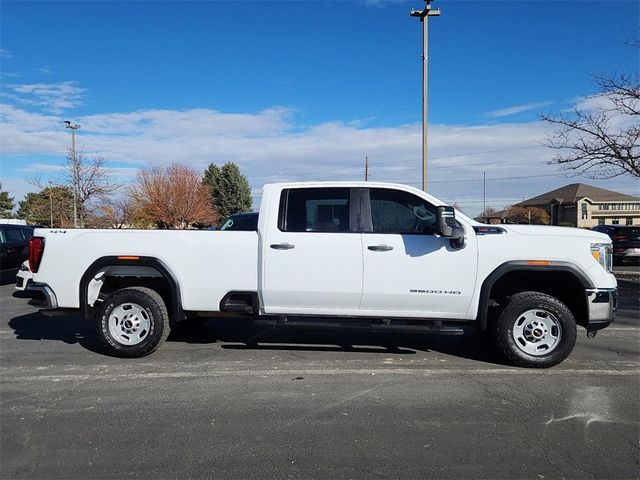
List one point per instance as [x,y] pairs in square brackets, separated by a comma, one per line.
[36,248]
[619,237]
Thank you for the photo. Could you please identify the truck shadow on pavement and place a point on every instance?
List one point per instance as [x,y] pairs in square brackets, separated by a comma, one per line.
[237,334]
[67,329]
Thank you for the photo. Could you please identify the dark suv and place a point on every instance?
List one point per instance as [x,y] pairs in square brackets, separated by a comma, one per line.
[626,240]
[14,249]
[247,222]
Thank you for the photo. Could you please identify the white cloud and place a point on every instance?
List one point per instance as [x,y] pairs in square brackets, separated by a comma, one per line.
[593,102]
[5,54]
[54,97]
[43,168]
[270,146]
[505,112]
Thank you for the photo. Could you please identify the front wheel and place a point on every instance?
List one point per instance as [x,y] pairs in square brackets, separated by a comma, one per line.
[535,330]
[133,322]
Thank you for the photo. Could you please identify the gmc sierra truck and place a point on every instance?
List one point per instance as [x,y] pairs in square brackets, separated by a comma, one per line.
[354,255]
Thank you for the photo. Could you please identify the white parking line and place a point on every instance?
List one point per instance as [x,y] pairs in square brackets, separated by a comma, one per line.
[339,371]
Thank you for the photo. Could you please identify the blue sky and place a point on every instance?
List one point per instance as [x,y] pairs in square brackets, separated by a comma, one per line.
[306,90]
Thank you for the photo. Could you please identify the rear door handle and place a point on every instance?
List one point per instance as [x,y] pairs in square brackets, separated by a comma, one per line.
[282,246]
[380,248]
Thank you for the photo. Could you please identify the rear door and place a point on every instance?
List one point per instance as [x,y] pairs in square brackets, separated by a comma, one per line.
[313,258]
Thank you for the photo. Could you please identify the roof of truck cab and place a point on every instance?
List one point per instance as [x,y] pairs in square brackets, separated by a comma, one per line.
[360,184]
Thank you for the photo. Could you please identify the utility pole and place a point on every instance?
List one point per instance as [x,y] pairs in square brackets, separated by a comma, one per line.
[50,204]
[74,168]
[366,169]
[484,197]
[424,18]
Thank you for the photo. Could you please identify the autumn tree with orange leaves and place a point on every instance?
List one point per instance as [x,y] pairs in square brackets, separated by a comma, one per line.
[173,197]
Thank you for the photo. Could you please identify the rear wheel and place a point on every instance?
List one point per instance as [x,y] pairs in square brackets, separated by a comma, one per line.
[133,322]
[535,330]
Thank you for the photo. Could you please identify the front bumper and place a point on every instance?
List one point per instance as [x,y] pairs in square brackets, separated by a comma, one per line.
[602,304]
[39,294]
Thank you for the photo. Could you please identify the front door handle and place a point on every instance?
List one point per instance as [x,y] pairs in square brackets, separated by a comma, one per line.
[380,248]
[282,246]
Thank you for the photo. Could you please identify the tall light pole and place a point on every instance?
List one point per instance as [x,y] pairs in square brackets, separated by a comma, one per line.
[50,204]
[424,18]
[74,167]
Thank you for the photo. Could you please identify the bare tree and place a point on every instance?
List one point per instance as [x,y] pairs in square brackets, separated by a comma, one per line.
[602,141]
[92,180]
[90,176]
[173,197]
[487,212]
[113,212]
[524,215]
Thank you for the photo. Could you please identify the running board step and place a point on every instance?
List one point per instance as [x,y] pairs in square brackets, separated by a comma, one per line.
[240,306]
[385,325]
[239,302]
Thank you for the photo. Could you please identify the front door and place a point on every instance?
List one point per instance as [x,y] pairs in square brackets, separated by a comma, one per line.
[313,258]
[409,271]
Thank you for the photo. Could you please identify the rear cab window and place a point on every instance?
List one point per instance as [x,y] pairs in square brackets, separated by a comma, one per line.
[315,210]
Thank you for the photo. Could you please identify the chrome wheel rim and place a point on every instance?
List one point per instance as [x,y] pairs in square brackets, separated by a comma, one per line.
[129,324]
[537,332]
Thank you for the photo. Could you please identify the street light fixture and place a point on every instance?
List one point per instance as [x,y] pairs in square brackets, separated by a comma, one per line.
[424,15]
[74,168]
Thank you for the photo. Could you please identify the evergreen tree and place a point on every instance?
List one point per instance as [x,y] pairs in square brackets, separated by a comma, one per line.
[229,189]
[38,208]
[6,204]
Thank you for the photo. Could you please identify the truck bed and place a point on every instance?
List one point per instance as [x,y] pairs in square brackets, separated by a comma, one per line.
[207,264]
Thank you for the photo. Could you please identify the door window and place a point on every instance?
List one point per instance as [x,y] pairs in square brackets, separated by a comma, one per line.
[398,212]
[14,235]
[315,210]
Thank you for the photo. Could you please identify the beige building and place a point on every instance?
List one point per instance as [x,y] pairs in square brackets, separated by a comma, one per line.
[583,206]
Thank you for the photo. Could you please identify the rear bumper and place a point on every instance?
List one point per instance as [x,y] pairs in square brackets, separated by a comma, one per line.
[39,294]
[602,304]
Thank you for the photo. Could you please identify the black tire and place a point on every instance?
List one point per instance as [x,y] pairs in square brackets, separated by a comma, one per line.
[154,312]
[522,303]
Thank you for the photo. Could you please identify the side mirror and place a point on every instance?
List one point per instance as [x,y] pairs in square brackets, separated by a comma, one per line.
[446,221]
[448,227]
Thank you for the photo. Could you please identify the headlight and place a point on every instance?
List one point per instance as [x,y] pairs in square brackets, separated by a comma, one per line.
[603,253]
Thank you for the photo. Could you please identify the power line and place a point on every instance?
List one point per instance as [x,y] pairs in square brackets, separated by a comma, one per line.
[467,180]
[444,157]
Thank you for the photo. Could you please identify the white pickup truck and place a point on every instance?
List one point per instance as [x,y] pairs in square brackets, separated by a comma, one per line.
[356,255]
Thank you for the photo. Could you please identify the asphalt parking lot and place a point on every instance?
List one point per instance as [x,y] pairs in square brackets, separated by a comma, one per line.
[229,401]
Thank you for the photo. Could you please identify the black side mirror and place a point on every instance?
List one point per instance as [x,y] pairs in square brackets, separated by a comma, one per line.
[446,221]
[448,227]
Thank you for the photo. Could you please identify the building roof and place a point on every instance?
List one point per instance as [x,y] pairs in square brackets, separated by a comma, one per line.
[574,192]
